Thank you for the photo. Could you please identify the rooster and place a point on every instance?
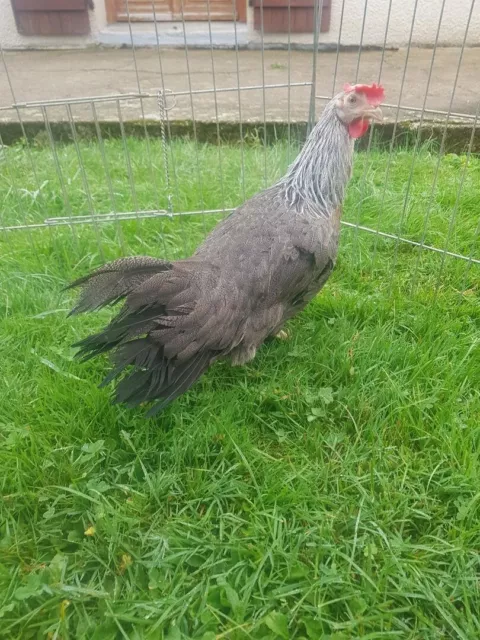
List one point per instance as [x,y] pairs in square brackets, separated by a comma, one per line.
[256,270]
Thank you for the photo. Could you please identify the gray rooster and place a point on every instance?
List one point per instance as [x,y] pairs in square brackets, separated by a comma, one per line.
[256,269]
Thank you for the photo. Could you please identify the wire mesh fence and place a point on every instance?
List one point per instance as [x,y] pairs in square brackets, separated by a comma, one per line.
[99,162]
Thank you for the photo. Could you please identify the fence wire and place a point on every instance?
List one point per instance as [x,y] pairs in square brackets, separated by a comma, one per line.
[162,163]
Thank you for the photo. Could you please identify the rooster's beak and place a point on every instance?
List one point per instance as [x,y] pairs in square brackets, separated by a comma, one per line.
[376,114]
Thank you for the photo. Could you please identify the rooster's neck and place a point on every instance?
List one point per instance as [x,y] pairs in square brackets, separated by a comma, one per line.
[317,179]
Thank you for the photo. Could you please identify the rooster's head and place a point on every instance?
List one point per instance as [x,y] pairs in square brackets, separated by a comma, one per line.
[358,105]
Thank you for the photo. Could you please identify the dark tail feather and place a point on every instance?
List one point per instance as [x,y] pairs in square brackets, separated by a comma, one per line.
[138,352]
[114,281]
[190,374]
[154,376]
[148,327]
[122,327]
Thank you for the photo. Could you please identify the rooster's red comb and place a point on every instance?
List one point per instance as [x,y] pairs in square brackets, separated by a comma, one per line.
[373,92]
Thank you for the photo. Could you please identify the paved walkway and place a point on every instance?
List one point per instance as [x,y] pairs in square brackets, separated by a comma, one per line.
[46,75]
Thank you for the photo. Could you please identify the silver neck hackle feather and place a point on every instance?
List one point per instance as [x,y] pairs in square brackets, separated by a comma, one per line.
[316,181]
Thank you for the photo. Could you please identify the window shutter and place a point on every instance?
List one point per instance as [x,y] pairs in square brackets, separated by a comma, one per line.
[275,16]
[51,17]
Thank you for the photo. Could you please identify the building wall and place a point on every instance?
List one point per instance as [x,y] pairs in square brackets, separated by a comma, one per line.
[427,16]
[454,21]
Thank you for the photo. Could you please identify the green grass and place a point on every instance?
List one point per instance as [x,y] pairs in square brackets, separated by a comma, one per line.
[329,489]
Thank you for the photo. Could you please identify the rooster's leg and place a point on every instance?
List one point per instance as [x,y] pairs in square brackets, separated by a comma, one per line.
[282,335]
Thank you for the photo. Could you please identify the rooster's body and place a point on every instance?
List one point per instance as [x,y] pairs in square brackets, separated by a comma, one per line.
[254,271]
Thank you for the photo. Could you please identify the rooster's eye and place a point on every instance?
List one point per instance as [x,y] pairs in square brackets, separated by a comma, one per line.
[352,99]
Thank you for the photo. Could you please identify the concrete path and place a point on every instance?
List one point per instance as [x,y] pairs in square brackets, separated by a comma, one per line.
[46,75]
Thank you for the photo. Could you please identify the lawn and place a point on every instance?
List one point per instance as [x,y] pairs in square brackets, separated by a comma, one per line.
[329,489]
